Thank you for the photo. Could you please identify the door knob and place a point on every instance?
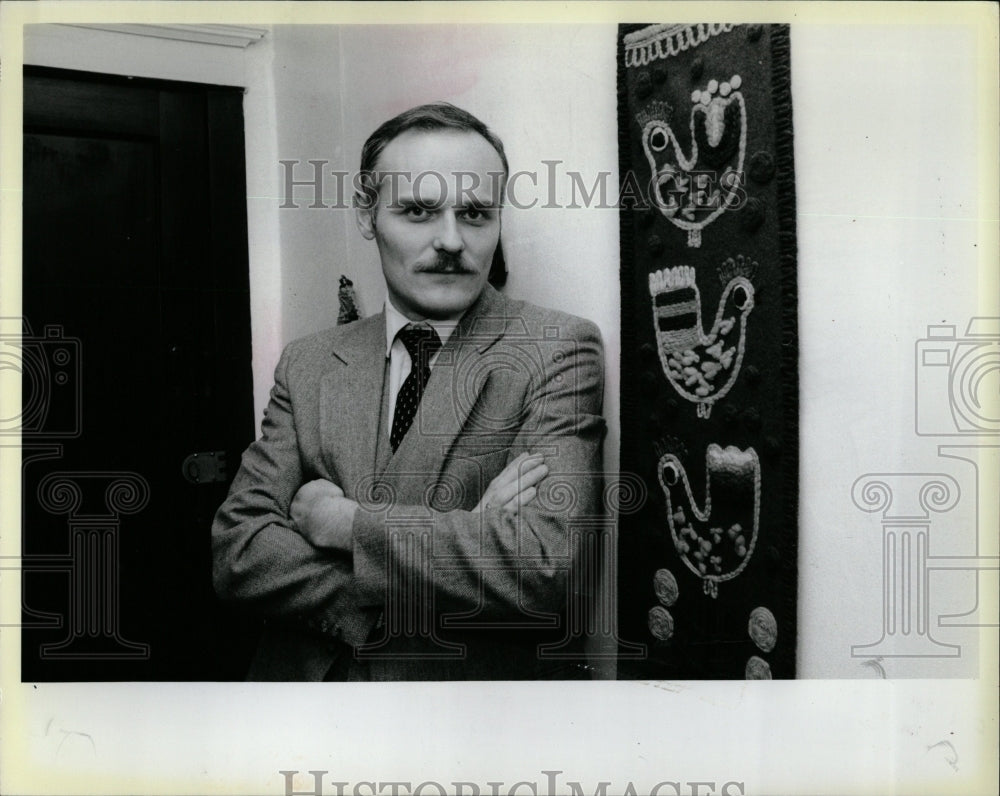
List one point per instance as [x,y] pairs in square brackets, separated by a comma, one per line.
[205,468]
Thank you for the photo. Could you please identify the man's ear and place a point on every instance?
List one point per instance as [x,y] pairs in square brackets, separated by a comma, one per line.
[365,218]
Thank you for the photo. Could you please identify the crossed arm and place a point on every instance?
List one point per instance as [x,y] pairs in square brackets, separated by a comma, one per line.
[325,517]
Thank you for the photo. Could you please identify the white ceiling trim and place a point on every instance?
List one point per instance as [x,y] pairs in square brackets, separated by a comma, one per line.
[241,36]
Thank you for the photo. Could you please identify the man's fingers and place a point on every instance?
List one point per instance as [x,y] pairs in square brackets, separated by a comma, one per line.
[510,473]
[522,498]
[532,476]
[505,493]
[522,473]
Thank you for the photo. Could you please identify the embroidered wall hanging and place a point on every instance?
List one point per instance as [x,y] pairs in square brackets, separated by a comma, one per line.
[709,350]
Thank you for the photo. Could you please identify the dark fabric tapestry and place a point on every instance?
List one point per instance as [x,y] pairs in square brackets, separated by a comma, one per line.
[707,563]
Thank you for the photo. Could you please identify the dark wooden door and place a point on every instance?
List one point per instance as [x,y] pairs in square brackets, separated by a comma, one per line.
[137,355]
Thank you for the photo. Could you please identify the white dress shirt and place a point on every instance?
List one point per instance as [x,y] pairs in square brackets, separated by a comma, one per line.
[399,357]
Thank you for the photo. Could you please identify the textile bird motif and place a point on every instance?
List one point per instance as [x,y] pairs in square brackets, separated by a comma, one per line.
[716,542]
[693,189]
[700,367]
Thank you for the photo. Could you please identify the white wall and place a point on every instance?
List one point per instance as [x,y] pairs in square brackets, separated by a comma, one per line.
[891,179]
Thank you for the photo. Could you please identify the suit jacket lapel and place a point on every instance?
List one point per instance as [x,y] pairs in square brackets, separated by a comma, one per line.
[351,400]
[448,398]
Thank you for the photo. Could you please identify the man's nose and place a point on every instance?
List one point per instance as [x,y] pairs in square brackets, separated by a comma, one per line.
[449,234]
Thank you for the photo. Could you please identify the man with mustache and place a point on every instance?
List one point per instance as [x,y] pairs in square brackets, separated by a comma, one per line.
[427,477]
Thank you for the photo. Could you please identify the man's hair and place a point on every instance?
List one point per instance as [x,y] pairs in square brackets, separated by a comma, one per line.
[430,117]
[433,116]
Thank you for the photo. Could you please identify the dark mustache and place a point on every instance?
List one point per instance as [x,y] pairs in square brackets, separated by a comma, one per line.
[446,263]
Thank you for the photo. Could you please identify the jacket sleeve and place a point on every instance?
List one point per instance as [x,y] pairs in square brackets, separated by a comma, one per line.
[497,565]
[259,559]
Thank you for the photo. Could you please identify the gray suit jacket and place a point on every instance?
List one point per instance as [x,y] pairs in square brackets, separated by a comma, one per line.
[430,590]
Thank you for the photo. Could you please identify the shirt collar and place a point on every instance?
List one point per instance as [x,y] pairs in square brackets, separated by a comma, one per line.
[395,320]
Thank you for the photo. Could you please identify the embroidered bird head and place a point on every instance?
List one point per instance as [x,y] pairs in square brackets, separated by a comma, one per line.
[692,188]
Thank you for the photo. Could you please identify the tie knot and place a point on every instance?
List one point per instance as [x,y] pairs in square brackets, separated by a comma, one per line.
[421,343]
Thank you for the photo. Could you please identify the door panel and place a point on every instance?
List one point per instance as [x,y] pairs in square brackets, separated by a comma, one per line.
[135,253]
[118,177]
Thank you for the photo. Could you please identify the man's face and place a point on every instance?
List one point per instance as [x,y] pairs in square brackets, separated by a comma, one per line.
[436,233]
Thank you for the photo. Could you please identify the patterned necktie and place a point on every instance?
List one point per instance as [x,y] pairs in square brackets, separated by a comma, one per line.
[421,343]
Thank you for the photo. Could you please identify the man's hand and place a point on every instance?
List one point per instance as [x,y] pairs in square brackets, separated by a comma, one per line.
[515,486]
[323,515]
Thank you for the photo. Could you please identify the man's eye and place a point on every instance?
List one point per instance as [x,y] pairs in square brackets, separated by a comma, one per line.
[417,213]
[475,215]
